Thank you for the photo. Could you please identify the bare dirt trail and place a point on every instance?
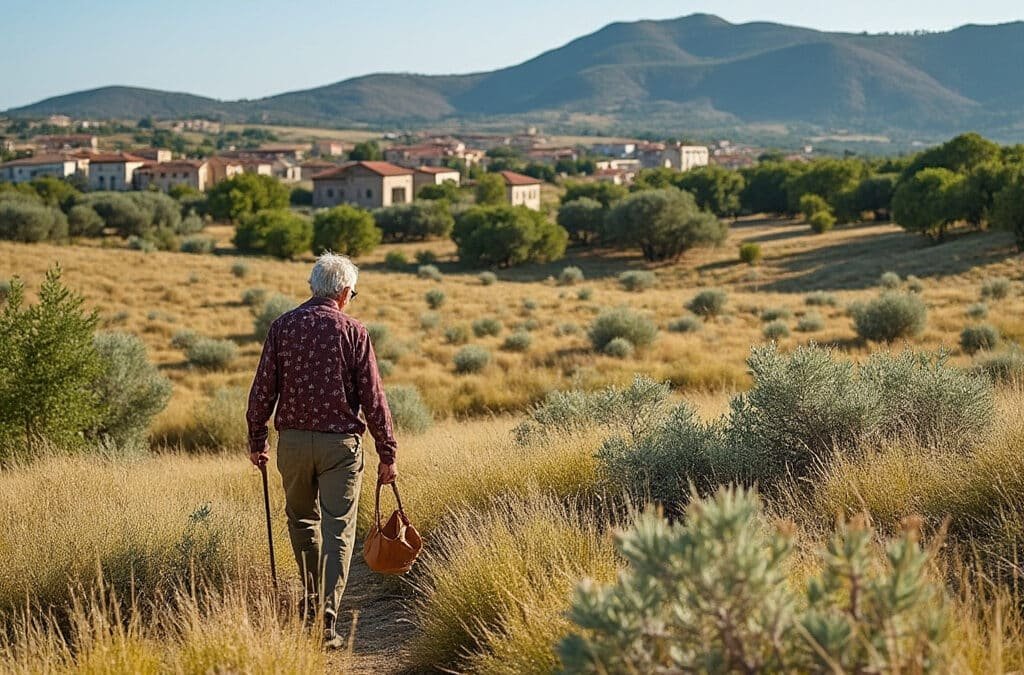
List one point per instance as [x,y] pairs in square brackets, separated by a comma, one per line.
[380,608]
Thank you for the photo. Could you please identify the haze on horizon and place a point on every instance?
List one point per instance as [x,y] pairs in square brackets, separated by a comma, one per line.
[234,49]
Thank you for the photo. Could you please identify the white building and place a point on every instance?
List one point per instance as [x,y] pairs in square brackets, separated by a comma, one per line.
[370,185]
[113,171]
[685,157]
[434,175]
[522,190]
[27,168]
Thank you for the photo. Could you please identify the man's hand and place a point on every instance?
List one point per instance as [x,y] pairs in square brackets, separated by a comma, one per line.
[260,458]
[387,473]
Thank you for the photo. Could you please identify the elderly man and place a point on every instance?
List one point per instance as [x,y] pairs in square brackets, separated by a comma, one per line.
[319,368]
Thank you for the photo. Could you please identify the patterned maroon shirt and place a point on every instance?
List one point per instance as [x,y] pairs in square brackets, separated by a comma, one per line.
[319,368]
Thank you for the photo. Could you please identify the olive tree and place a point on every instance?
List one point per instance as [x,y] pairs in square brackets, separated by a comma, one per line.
[663,224]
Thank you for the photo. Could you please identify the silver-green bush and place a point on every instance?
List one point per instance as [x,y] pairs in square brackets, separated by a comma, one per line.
[486,326]
[211,354]
[775,330]
[570,276]
[254,297]
[435,297]
[622,322]
[130,389]
[519,341]
[708,303]
[979,337]
[821,299]
[408,410]
[471,359]
[183,339]
[686,324]
[889,281]
[456,335]
[429,272]
[890,317]
[775,313]
[995,288]
[620,348]
[487,278]
[810,323]
[637,280]
[272,308]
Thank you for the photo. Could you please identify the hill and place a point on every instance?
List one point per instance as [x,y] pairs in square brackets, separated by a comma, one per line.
[640,73]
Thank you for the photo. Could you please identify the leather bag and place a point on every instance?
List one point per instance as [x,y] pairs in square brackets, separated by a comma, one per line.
[391,547]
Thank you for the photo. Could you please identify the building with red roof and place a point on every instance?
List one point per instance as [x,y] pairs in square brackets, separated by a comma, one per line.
[521,190]
[369,185]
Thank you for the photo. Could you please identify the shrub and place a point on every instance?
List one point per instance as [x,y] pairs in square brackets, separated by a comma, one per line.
[83,221]
[198,245]
[624,323]
[914,284]
[505,235]
[396,260]
[245,194]
[219,421]
[410,414]
[890,317]
[191,224]
[487,278]
[890,281]
[708,303]
[529,304]
[211,354]
[1006,366]
[566,329]
[240,270]
[429,320]
[485,327]
[281,233]
[434,297]
[977,338]
[419,220]
[978,310]
[663,224]
[378,334]
[519,341]
[272,308]
[811,322]
[346,230]
[811,204]
[775,330]
[686,324]
[750,253]
[385,366]
[183,339]
[717,587]
[996,288]
[570,276]
[582,218]
[140,244]
[821,222]
[585,294]
[637,280]
[456,335]
[471,359]
[620,348]
[426,257]
[821,299]
[30,222]
[254,297]
[130,389]
[775,313]
[5,289]
[428,272]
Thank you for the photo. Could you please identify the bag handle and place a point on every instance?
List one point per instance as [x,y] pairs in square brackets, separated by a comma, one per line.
[398,498]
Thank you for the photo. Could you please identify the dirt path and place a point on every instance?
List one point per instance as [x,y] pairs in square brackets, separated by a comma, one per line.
[382,623]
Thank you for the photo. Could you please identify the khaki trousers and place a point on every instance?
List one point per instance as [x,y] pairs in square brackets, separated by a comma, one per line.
[321,473]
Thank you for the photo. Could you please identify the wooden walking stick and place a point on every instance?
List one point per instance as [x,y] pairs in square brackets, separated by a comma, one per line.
[270,530]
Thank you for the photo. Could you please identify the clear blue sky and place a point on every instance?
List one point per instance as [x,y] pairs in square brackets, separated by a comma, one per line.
[250,48]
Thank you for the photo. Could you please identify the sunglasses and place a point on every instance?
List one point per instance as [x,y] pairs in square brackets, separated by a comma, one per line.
[353,294]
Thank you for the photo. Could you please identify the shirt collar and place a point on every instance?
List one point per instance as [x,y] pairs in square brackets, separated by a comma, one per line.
[320,302]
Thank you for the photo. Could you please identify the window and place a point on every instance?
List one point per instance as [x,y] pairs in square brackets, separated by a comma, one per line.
[330,193]
[398,195]
[163,174]
[369,193]
[341,193]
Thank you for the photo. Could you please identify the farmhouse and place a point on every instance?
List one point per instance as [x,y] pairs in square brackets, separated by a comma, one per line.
[366,184]
[686,157]
[113,171]
[165,175]
[57,165]
[312,167]
[153,154]
[433,175]
[522,190]
[330,148]
[221,168]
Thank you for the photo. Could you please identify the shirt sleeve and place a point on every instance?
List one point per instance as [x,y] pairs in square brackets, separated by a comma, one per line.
[263,395]
[372,399]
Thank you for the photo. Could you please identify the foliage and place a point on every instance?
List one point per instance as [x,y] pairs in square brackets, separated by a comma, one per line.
[506,235]
[448,190]
[774,330]
[686,324]
[244,195]
[487,278]
[810,323]
[663,224]
[1005,366]
[416,221]
[486,326]
[456,335]
[280,233]
[996,288]
[978,310]
[130,389]
[928,202]
[750,253]
[211,354]
[890,281]
[239,269]
[715,188]
[821,299]
[31,222]
[821,222]
[619,347]
[518,341]
[825,178]
[775,313]
[889,317]
[471,359]
[980,337]
[425,256]
[637,280]
[198,245]
[396,261]
[254,297]
[959,155]
[48,366]
[716,589]
[435,298]
[570,276]
[219,421]
[183,339]
[621,322]
[272,308]
[83,221]
[708,303]
[345,229]
[583,218]
[490,190]
[603,192]
[428,272]
[408,410]
[1008,210]
[765,187]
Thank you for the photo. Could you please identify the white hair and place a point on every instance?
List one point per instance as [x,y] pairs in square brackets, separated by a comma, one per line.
[331,274]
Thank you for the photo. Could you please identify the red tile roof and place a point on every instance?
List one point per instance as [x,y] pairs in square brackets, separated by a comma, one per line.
[436,169]
[37,160]
[113,158]
[379,168]
[513,178]
[173,164]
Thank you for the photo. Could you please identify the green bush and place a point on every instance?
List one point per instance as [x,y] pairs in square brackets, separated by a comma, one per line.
[620,348]
[83,221]
[408,410]
[396,260]
[663,224]
[505,235]
[254,297]
[485,327]
[775,314]
[183,339]
[140,244]
[244,195]
[811,322]
[198,245]
[686,324]
[585,294]
[130,389]
[5,289]
[346,230]
[428,272]
[567,328]
[717,586]
[426,257]
[430,320]
[30,223]
[419,220]
[435,298]
[471,359]
[621,322]
[272,308]
[890,281]
[750,253]
[977,311]
[384,366]
[519,341]
[980,337]
[708,303]
[996,288]
[821,299]
[1006,366]
[811,204]
[570,276]
[821,222]
[890,317]
[529,305]
[219,421]
[281,233]
[914,284]
[379,334]
[211,354]
[775,330]
[487,278]
[637,280]
[239,269]
[582,218]
[191,224]
[456,335]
